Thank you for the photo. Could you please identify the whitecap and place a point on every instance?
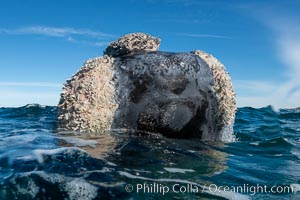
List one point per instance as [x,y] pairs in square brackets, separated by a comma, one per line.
[34,105]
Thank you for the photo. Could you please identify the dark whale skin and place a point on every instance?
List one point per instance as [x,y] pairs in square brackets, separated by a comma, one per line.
[167,93]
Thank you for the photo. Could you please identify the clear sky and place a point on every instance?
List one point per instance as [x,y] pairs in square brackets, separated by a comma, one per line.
[42,43]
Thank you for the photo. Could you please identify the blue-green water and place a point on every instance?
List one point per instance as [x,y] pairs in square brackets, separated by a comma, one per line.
[37,162]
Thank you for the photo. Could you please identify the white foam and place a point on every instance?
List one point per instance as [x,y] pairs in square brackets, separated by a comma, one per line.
[45,130]
[128,175]
[79,142]
[103,170]
[178,170]
[111,163]
[42,119]
[142,171]
[218,172]
[227,134]
[25,158]
[24,130]
[296,153]
[19,139]
[40,153]
[106,185]
[34,105]
[254,143]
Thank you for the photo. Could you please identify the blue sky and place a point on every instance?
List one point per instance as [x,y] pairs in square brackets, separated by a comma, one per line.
[42,43]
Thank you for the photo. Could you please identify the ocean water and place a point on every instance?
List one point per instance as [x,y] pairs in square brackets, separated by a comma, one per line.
[38,162]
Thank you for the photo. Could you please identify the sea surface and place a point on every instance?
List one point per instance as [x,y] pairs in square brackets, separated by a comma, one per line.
[39,162]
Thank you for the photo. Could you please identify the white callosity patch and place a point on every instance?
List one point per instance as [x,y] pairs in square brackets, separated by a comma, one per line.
[88,99]
[167,93]
[224,91]
[132,42]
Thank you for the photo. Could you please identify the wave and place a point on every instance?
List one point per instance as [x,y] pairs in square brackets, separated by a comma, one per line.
[265,123]
[36,162]
[29,110]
